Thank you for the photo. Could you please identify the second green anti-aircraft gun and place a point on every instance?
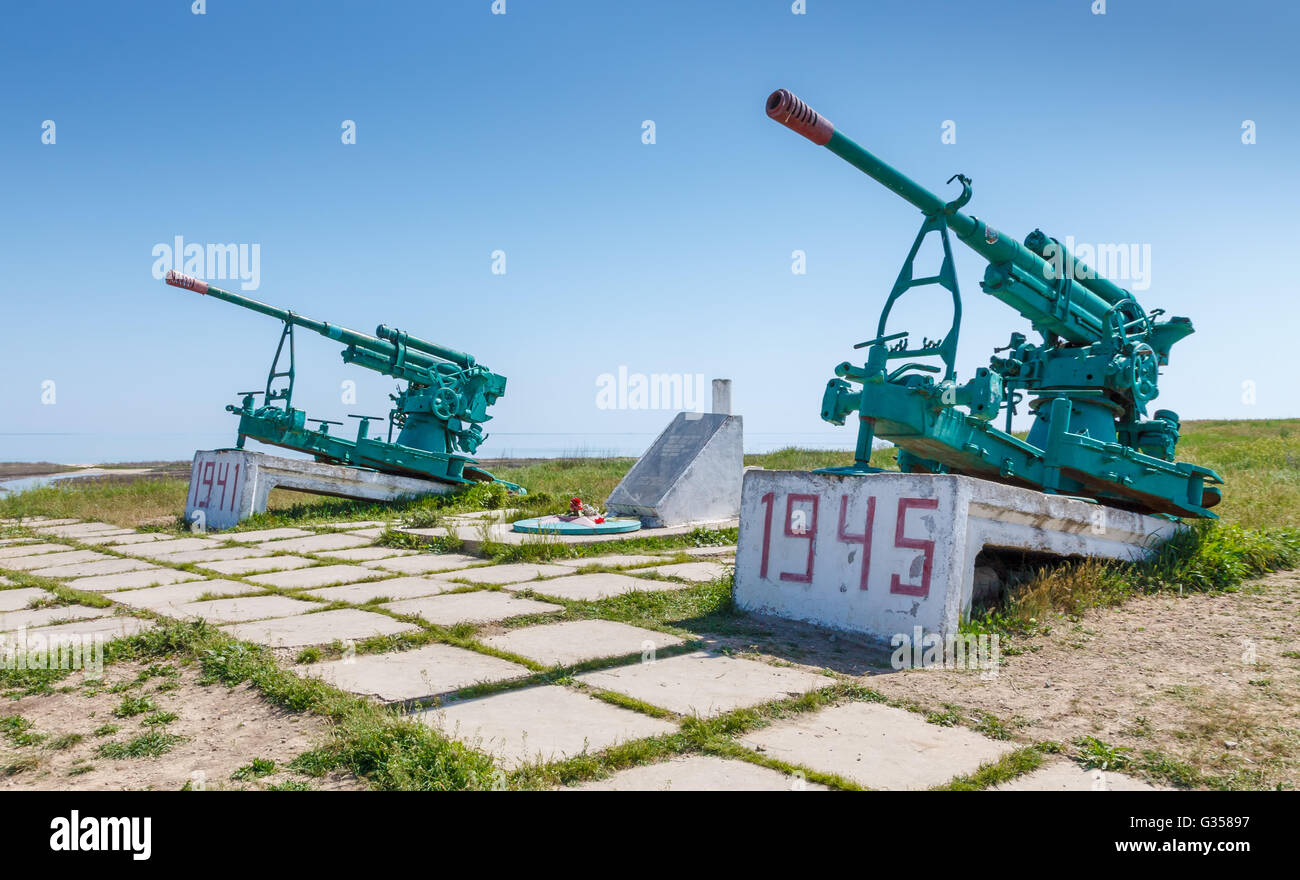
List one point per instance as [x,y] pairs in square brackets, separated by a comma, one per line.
[1090,378]
[437,415]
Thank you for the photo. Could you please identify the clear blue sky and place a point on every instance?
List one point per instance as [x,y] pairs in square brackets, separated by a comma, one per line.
[522,132]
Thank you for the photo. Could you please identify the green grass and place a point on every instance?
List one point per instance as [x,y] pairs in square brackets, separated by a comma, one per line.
[148,745]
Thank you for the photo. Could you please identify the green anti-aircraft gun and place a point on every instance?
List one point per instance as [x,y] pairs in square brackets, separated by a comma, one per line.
[1090,378]
[438,414]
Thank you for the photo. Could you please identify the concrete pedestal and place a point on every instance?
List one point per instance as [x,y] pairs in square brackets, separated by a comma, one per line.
[882,554]
[229,485]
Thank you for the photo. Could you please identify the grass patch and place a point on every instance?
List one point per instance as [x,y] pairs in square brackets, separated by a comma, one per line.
[148,745]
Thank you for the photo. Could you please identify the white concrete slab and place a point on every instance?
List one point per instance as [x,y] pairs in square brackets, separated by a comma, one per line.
[426,563]
[75,529]
[509,574]
[47,560]
[172,545]
[315,543]
[611,561]
[108,539]
[369,534]
[107,628]
[1068,776]
[266,535]
[33,617]
[211,554]
[483,606]
[542,724]
[367,554]
[701,773]
[695,572]
[321,628]
[595,586]
[244,608]
[391,590]
[90,569]
[13,600]
[421,673]
[320,576]
[128,538]
[132,580]
[261,563]
[706,684]
[362,524]
[876,746]
[167,599]
[574,641]
[31,550]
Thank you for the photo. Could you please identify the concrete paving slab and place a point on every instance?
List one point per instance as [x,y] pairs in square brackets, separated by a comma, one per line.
[166,599]
[611,561]
[877,746]
[484,606]
[320,576]
[117,536]
[422,673]
[391,590]
[127,538]
[107,565]
[696,572]
[592,587]
[542,724]
[244,608]
[6,542]
[172,545]
[32,549]
[321,628]
[502,533]
[47,560]
[726,550]
[107,628]
[133,580]
[261,563]
[706,684]
[573,641]
[13,600]
[315,543]
[701,773]
[426,563]
[30,618]
[211,554]
[81,528]
[363,524]
[511,573]
[368,554]
[266,535]
[368,534]
[1068,776]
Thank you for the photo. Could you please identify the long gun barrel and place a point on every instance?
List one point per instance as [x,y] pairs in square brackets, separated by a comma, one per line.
[380,347]
[1018,276]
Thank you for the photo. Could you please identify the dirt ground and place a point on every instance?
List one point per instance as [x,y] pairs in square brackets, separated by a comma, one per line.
[221,730]
[1213,681]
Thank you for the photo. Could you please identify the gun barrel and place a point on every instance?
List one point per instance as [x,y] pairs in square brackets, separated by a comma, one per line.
[1029,296]
[324,328]
[433,348]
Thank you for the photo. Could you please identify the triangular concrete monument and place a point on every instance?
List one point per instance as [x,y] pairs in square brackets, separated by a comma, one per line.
[691,473]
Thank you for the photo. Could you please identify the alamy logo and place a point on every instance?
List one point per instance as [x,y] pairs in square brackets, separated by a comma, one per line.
[922,650]
[1115,262]
[676,391]
[211,262]
[76,833]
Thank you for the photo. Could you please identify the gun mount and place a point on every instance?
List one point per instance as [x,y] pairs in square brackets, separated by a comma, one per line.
[1090,378]
[438,415]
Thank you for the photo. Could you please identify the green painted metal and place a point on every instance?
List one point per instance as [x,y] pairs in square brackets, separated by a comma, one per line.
[1090,379]
[438,415]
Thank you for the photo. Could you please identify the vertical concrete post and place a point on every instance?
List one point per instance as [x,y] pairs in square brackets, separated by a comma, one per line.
[722,396]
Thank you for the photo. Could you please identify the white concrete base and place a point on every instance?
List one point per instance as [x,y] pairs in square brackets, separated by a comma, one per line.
[884,553]
[229,485]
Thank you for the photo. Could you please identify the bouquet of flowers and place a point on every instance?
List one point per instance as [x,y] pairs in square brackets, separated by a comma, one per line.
[578,508]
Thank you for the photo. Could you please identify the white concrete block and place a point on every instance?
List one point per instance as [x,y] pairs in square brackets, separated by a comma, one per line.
[877,746]
[389,590]
[367,554]
[166,600]
[595,586]
[211,554]
[48,560]
[1068,776]
[511,573]
[705,684]
[883,553]
[695,572]
[484,606]
[426,563]
[243,608]
[538,724]
[321,628]
[575,641]
[701,773]
[18,550]
[89,569]
[227,486]
[257,537]
[31,618]
[320,576]
[421,673]
[13,600]
[315,543]
[133,580]
[260,563]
